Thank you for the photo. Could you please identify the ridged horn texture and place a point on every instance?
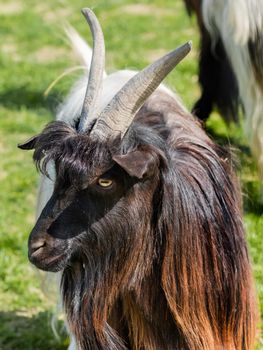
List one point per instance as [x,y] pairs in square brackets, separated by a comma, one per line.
[118,115]
[92,96]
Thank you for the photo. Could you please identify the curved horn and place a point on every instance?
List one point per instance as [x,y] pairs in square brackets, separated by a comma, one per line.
[90,105]
[118,115]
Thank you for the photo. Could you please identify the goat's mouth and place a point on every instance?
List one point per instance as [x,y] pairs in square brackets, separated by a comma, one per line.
[48,262]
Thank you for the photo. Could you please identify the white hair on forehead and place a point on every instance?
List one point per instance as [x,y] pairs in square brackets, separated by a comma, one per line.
[237,22]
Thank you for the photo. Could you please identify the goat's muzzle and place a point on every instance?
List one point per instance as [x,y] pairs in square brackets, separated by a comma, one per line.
[46,252]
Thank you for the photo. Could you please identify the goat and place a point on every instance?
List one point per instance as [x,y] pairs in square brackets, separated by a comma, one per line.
[231,64]
[144,221]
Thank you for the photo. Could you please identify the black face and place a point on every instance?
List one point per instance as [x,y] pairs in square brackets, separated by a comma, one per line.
[72,216]
[102,189]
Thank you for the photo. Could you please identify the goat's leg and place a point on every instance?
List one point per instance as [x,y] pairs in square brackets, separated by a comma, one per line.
[217,81]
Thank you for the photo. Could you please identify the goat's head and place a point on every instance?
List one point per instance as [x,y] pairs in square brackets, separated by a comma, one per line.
[95,190]
[104,168]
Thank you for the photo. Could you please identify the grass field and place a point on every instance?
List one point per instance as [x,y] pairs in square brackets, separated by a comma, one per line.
[33,52]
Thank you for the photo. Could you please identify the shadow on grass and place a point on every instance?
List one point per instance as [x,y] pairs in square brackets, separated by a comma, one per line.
[23,97]
[18,332]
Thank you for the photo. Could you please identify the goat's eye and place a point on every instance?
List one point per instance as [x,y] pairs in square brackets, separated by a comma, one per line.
[103,182]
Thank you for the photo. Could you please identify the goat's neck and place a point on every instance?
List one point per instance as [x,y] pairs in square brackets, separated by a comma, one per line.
[143,320]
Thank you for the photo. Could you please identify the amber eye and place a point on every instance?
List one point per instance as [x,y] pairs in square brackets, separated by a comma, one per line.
[102,182]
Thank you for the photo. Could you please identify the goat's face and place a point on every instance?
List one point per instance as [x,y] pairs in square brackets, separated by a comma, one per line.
[70,215]
[96,198]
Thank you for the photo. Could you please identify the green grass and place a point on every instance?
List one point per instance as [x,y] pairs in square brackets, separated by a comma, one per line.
[33,52]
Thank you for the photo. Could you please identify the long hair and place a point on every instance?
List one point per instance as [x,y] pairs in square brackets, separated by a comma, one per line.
[206,270]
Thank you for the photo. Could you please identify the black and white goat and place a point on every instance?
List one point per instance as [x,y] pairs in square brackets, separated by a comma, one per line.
[143,219]
[231,63]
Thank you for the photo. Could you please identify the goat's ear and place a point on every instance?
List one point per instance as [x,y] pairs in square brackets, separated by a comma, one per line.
[29,144]
[138,164]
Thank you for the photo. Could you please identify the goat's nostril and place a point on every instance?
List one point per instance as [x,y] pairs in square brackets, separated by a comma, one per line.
[35,246]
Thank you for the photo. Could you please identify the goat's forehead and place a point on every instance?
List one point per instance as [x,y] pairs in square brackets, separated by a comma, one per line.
[80,158]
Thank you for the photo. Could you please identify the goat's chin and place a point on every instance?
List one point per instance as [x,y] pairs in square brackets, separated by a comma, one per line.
[51,264]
